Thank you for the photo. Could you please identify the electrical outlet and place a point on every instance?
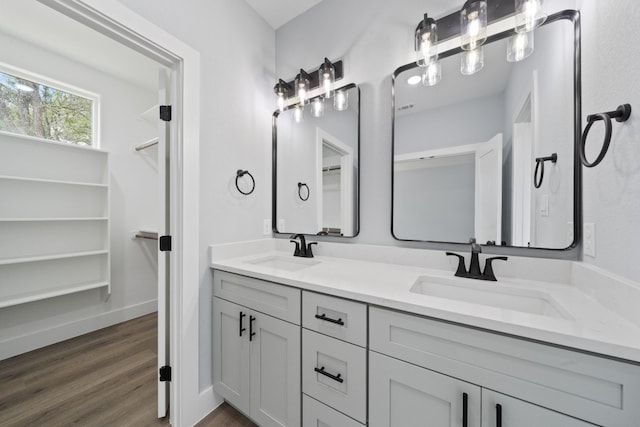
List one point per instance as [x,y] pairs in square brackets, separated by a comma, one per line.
[281,225]
[590,239]
[570,236]
[266,227]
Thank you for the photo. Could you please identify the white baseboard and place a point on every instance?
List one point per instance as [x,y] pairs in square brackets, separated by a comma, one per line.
[44,337]
[208,402]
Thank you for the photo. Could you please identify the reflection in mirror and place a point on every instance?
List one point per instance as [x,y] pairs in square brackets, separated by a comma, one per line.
[465,149]
[320,150]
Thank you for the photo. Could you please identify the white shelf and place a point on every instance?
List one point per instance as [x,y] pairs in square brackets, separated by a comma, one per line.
[45,293]
[52,181]
[22,260]
[101,218]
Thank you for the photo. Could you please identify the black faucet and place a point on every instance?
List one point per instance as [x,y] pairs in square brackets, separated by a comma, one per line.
[302,249]
[474,268]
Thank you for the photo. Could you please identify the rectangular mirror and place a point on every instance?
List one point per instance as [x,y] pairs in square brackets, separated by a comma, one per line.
[316,166]
[465,149]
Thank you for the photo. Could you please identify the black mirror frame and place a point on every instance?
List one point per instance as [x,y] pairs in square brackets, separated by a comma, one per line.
[274,175]
[573,251]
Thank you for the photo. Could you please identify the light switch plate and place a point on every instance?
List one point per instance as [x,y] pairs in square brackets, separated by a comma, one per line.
[590,239]
[266,227]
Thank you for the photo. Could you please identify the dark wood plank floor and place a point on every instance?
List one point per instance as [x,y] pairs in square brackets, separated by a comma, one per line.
[105,378]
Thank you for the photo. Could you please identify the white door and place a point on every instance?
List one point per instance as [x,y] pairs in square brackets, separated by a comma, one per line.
[405,395]
[164,82]
[488,191]
[515,412]
[275,371]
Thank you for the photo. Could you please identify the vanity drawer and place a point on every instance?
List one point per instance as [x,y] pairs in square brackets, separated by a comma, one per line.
[595,389]
[343,386]
[315,414]
[269,298]
[336,317]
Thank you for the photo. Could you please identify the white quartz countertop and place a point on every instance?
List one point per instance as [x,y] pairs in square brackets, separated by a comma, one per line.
[589,327]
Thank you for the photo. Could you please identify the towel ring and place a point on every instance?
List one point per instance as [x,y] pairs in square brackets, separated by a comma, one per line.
[239,174]
[621,114]
[537,181]
[300,185]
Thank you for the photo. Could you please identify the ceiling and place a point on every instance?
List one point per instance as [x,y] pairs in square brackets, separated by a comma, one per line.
[42,26]
[279,12]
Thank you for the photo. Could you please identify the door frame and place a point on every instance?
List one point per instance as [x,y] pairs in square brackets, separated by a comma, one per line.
[113,19]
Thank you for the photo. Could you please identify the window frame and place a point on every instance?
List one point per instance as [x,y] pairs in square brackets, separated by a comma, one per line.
[66,87]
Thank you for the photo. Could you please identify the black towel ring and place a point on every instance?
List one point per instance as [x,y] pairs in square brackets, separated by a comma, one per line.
[239,174]
[621,114]
[537,180]
[300,185]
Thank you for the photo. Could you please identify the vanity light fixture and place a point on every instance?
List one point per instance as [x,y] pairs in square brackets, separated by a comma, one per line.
[327,76]
[317,107]
[529,15]
[282,90]
[472,61]
[432,74]
[298,113]
[341,100]
[519,46]
[426,40]
[303,84]
[473,24]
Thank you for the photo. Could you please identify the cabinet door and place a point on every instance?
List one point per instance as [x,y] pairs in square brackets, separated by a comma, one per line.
[515,412]
[275,371]
[231,353]
[405,395]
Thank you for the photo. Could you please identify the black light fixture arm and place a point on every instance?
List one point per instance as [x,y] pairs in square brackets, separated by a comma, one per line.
[538,175]
[621,114]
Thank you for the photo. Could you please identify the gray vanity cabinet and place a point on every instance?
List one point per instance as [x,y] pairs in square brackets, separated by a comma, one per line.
[256,360]
[405,395]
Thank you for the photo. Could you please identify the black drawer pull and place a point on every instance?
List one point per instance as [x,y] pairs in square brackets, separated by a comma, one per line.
[251,333]
[465,415]
[328,319]
[498,415]
[326,374]
[242,316]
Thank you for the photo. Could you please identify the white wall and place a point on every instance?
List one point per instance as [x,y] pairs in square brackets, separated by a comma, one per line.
[237,51]
[134,203]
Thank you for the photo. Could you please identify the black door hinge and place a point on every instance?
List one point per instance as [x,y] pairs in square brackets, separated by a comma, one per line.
[165,373]
[165,243]
[165,113]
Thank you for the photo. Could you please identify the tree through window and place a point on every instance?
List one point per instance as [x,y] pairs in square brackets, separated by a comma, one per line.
[34,109]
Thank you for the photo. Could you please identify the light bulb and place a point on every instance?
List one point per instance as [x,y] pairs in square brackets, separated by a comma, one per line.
[519,46]
[473,21]
[341,100]
[317,107]
[327,73]
[472,61]
[281,102]
[426,39]
[302,93]
[281,89]
[529,15]
[432,74]
[302,86]
[298,113]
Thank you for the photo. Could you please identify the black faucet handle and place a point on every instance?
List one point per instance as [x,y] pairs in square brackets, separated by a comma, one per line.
[309,250]
[462,269]
[296,252]
[488,267]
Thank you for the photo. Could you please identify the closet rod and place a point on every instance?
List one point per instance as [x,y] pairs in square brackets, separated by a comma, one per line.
[146,235]
[147,144]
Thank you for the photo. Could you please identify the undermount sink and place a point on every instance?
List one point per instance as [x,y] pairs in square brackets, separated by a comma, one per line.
[284,263]
[490,294]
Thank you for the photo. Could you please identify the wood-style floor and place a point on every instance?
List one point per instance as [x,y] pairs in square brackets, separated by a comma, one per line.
[105,378]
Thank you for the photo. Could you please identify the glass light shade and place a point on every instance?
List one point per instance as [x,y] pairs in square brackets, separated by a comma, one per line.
[281,90]
[317,107]
[472,61]
[432,74]
[519,46]
[280,102]
[426,40]
[529,15]
[302,88]
[341,100]
[327,76]
[298,113]
[473,24]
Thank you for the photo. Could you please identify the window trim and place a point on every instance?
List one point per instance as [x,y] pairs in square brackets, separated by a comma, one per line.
[56,84]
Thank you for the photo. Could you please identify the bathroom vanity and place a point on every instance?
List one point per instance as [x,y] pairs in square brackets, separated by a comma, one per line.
[345,342]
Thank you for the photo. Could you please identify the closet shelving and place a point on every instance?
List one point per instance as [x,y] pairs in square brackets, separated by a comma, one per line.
[54,219]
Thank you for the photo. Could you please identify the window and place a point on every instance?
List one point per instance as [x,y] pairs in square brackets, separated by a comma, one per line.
[32,106]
